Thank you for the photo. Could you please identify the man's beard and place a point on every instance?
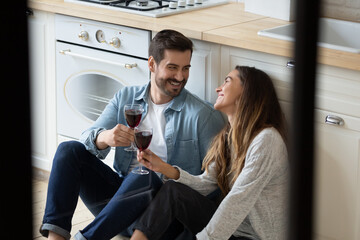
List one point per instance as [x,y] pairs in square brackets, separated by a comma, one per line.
[161,84]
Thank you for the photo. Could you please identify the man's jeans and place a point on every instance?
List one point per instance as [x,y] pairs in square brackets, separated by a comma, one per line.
[115,201]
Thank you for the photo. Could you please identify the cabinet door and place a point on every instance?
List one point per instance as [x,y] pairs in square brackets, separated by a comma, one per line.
[42,88]
[337,178]
[37,84]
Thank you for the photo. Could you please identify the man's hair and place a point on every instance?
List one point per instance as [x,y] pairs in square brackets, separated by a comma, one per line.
[168,39]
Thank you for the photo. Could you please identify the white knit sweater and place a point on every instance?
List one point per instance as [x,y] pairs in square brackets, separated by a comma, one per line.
[256,206]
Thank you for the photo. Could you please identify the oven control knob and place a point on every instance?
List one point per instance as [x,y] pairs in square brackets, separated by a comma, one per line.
[115,42]
[198,1]
[173,5]
[190,2]
[83,35]
[182,3]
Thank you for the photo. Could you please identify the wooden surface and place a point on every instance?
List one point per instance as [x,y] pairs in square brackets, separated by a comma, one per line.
[244,35]
[226,24]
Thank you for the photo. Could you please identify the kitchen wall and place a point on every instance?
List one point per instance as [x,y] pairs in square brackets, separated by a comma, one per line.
[339,9]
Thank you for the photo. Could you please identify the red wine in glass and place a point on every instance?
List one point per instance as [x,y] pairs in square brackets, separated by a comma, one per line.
[133,117]
[133,113]
[142,141]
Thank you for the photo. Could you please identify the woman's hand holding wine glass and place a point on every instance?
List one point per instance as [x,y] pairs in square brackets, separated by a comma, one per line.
[151,161]
[142,140]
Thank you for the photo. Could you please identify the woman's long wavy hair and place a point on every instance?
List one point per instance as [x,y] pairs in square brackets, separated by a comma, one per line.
[257,108]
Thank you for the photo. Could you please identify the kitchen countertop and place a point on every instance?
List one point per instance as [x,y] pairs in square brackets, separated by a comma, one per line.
[227,24]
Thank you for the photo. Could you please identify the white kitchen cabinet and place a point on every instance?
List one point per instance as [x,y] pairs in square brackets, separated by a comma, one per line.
[337,148]
[337,170]
[337,177]
[41,42]
[205,70]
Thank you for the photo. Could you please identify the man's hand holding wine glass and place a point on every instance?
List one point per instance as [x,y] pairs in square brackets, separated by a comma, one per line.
[119,136]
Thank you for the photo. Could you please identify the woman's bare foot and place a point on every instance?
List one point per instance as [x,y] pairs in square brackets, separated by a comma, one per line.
[55,236]
[138,235]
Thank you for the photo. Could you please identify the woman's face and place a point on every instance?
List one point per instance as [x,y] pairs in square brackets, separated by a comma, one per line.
[229,93]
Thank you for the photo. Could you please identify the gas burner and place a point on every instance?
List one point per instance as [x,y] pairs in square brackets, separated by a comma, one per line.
[142,3]
[152,8]
[103,2]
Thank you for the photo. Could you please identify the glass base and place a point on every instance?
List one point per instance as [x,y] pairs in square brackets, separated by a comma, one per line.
[140,170]
[131,149]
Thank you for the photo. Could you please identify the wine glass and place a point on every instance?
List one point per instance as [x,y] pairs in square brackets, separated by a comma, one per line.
[133,113]
[142,140]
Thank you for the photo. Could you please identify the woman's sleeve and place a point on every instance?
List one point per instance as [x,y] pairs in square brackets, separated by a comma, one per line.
[259,168]
[204,183]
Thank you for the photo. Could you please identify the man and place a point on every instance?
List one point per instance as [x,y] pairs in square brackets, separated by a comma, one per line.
[183,127]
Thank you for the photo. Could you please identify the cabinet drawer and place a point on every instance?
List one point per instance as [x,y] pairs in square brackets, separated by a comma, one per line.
[349,122]
[338,90]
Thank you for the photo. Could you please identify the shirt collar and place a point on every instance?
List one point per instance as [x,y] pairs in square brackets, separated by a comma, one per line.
[179,101]
[143,92]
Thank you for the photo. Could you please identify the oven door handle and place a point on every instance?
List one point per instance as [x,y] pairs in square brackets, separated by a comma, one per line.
[125,65]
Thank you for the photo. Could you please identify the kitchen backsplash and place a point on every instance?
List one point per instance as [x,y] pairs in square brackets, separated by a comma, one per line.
[339,9]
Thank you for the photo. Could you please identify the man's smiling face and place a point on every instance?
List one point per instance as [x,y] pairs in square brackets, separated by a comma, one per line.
[171,74]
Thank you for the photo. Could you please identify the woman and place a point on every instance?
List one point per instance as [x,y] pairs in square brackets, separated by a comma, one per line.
[247,161]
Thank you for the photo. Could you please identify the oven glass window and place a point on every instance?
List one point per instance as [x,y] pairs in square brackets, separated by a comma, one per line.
[88,94]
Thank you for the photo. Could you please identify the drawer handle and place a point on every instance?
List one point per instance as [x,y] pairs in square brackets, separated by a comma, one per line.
[334,120]
[70,53]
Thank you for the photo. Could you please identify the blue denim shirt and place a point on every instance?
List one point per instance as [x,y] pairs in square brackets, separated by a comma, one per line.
[190,126]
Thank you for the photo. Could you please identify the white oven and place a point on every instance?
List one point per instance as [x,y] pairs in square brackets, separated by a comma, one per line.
[93,61]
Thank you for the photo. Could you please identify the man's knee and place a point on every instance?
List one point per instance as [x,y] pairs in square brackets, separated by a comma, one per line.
[71,146]
[68,152]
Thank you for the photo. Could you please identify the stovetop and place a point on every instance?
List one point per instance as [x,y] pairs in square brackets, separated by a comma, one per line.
[152,8]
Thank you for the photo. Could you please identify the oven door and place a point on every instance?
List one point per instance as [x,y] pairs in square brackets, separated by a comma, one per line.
[86,81]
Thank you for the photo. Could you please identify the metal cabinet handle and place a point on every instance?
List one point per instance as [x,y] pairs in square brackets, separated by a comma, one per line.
[125,65]
[29,12]
[290,64]
[334,120]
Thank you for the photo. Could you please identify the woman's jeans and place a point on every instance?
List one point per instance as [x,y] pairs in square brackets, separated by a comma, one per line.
[115,201]
[177,201]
